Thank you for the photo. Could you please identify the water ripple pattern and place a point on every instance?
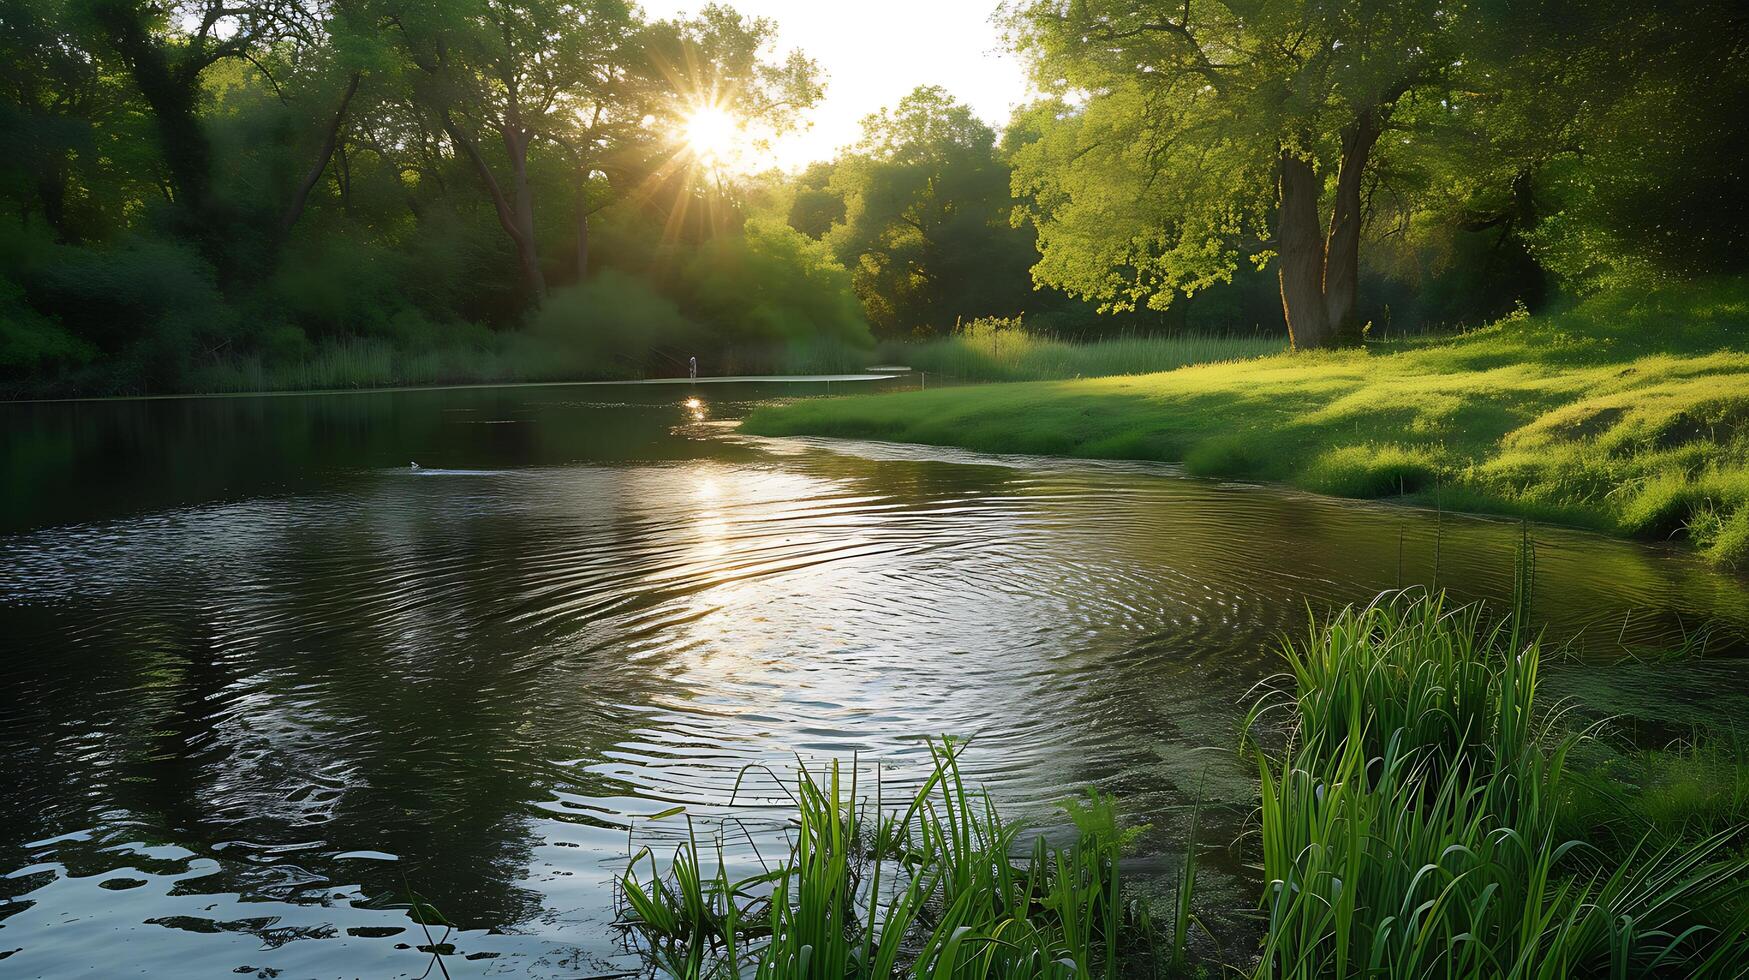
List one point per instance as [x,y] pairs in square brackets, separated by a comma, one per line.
[239,721]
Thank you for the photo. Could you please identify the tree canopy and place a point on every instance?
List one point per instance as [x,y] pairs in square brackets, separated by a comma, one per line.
[926,229]
[202,186]
[1177,142]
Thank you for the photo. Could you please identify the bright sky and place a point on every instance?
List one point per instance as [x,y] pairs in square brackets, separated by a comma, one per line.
[873,54]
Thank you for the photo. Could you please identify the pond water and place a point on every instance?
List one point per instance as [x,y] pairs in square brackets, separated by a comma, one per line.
[259,677]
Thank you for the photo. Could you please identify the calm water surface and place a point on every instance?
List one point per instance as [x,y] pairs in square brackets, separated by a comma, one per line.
[258,677]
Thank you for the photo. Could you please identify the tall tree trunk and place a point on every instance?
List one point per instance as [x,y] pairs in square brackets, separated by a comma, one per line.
[1302,254]
[1342,250]
[295,209]
[517,220]
[516,142]
[172,94]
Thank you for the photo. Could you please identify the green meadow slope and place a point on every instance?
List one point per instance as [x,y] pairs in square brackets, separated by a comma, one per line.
[1629,412]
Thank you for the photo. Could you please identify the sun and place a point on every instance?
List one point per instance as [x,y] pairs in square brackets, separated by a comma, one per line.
[711,133]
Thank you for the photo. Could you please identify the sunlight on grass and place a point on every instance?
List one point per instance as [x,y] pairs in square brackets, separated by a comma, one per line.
[1628,413]
[995,349]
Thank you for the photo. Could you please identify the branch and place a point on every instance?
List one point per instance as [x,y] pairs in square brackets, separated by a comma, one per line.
[277,91]
[1201,64]
[296,208]
[505,217]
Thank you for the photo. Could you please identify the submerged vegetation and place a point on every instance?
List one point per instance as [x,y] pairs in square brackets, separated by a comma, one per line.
[1628,412]
[1421,815]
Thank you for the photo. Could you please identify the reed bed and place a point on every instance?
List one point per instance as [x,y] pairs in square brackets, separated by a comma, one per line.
[381,363]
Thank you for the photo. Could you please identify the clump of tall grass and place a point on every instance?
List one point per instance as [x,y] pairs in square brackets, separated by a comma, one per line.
[1412,824]
[1685,792]
[996,349]
[929,889]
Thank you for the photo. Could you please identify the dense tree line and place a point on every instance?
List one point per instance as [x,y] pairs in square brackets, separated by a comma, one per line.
[201,183]
[212,179]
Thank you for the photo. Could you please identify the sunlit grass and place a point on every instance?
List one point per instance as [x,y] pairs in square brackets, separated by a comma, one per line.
[1002,350]
[1628,413]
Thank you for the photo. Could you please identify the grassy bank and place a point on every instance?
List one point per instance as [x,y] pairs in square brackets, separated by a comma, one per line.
[1418,814]
[1628,413]
[1000,350]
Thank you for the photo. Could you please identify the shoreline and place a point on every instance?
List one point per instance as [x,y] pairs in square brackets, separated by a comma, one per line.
[389,389]
[1633,422]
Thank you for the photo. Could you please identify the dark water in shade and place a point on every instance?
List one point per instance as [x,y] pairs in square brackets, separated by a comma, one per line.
[255,673]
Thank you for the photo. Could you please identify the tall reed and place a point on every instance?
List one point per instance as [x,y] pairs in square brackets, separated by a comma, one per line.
[930,889]
[1409,827]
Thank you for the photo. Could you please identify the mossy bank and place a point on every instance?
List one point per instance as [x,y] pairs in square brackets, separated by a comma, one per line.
[1628,412]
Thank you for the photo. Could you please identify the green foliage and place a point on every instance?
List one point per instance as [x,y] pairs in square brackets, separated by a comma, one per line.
[609,326]
[339,287]
[1626,412]
[772,283]
[1682,794]
[1644,184]
[283,193]
[815,207]
[1163,181]
[302,177]
[926,229]
[31,343]
[1162,159]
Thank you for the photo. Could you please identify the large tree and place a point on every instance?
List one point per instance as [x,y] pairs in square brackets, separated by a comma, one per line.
[1188,137]
[498,77]
[591,80]
[168,50]
[926,229]
[58,98]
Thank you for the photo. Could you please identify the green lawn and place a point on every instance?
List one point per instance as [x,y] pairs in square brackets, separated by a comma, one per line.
[1629,413]
[998,350]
